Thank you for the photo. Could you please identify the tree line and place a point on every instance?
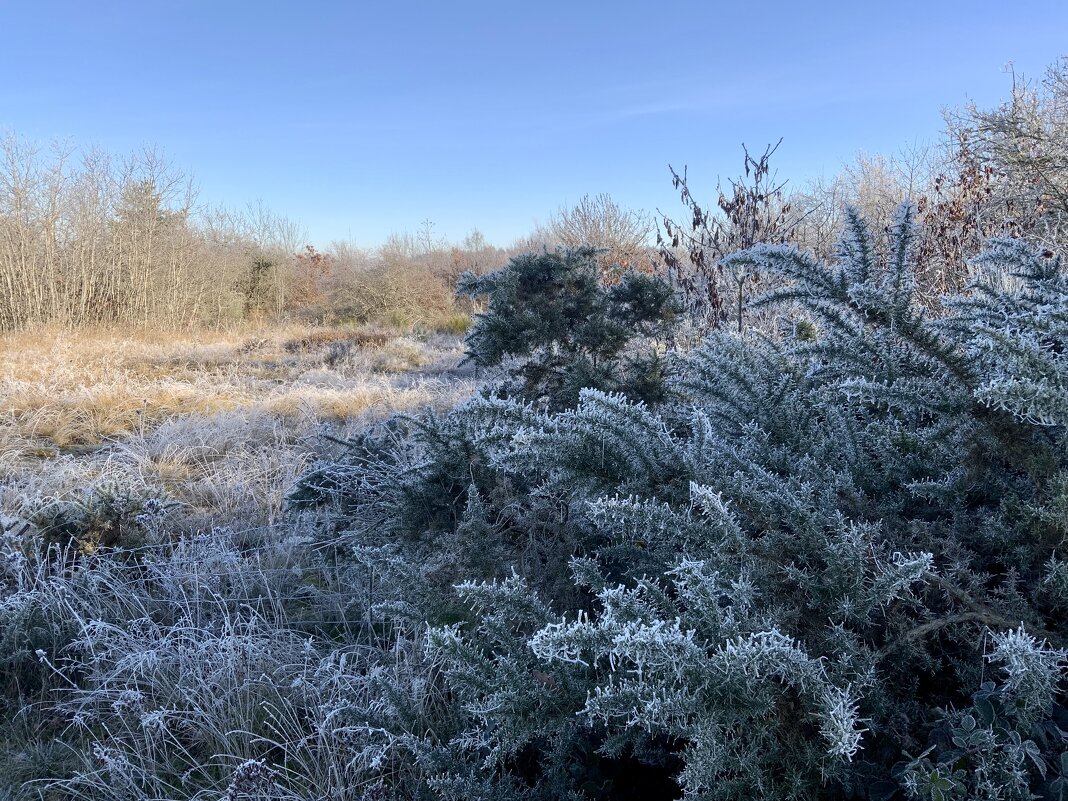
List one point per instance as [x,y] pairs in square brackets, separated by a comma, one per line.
[88,238]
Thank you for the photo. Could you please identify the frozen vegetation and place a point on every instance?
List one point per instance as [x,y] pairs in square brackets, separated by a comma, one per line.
[784,519]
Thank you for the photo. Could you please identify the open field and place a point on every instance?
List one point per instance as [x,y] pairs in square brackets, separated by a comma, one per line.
[217,423]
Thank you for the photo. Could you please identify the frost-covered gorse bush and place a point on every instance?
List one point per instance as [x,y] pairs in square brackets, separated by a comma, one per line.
[827,566]
[550,317]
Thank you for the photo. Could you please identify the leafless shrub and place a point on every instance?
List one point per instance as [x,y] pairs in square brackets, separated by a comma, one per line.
[598,221]
[753,209]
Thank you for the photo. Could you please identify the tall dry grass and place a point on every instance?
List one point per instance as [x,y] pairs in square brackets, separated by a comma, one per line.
[220,423]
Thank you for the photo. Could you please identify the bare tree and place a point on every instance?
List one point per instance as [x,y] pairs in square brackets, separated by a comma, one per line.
[598,221]
[1024,145]
[105,240]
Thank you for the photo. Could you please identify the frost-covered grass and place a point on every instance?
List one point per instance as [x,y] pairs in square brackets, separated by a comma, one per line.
[171,672]
[62,389]
[824,565]
[163,625]
[220,423]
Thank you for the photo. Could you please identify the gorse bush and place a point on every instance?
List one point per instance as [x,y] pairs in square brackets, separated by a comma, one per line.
[827,567]
[106,517]
[551,311]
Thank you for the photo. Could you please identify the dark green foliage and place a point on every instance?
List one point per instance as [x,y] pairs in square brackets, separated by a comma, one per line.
[108,517]
[551,311]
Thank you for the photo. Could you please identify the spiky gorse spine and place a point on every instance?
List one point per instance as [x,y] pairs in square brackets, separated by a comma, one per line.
[745,587]
[1018,333]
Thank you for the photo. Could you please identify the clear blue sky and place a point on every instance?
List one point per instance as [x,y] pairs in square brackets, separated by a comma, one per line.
[358,119]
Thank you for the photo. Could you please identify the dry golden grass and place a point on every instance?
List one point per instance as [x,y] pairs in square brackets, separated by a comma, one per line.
[220,422]
[60,389]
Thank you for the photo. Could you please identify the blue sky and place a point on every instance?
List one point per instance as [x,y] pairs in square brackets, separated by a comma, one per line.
[362,119]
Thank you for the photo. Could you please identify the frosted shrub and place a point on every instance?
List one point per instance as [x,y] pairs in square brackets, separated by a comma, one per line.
[551,318]
[770,585]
